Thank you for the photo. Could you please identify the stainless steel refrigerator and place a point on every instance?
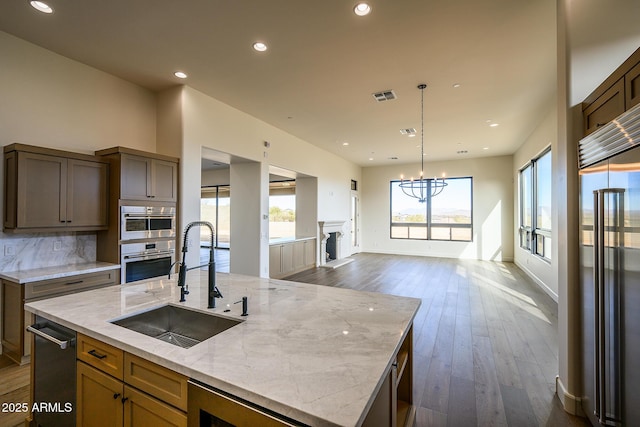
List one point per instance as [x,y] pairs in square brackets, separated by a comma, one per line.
[610,271]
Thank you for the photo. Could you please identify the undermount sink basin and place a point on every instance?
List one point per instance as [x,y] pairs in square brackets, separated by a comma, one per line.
[176,325]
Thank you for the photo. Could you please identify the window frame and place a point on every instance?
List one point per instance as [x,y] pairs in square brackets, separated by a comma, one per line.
[533,238]
[429,224]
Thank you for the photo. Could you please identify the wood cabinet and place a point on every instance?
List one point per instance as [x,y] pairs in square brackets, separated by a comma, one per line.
[14,345]
[14,296]
[617,94]
[51,190]
[605,108]
[115,388]
[291,257]
[142,176]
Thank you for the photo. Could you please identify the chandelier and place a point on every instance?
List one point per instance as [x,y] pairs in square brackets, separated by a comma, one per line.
[421,187]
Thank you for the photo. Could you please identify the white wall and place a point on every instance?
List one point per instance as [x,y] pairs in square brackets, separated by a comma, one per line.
[210,123]
[492,210]
[51,101]
[545,135]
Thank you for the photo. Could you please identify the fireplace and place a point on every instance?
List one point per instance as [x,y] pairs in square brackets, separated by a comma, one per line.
[330,240]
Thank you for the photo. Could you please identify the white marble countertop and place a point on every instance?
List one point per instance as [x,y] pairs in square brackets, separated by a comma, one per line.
[47,273]
[314,353]
[282,240]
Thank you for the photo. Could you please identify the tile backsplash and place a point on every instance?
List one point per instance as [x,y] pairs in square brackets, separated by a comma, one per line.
[38,250]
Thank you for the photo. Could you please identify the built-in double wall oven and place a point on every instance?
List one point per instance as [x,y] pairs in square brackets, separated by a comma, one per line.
[147,241]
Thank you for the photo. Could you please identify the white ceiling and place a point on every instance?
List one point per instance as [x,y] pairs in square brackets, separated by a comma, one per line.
[323,64]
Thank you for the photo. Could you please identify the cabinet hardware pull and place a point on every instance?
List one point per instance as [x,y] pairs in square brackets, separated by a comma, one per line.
[94,353]
[75,283]
[116,395]
[124,399]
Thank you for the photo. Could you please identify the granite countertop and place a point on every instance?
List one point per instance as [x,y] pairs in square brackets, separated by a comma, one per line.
[47,273]
[313,353]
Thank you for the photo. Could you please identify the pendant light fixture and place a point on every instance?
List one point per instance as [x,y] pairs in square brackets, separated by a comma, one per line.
[422,187]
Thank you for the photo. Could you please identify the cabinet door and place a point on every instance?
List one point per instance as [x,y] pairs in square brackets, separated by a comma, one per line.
[310,253]
[605,108]
[135,181]
[298,255]
[41,192]
[275,261]
[12,297]
[87,193]
[99,399]
[632,87]
[287,258]
[164,181]
[141,410]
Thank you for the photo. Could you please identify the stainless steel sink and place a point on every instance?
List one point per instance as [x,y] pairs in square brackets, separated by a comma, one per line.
[176,325]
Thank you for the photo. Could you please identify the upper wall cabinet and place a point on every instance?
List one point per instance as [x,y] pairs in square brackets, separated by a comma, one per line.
[617,94]
[143,176]
[52,190]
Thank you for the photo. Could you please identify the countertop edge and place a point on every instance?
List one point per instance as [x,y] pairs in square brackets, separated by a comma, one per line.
[37,275]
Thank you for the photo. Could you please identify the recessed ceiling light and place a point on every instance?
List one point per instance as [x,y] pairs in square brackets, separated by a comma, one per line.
[345,144]
[456,85]
[362,9]
[485,148]
[260,46]
[41,6]
[494,125]
[180,74]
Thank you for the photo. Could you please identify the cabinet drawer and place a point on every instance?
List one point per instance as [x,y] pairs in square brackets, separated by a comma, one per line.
[141,410]
[101,355]
[70,284]
[156,380]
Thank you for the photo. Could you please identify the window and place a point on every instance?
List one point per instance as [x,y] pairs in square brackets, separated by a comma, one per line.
[535,206]
[447,216]
[215,207]
[282,210]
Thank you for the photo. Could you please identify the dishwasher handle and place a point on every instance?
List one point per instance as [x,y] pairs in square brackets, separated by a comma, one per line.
[63,344]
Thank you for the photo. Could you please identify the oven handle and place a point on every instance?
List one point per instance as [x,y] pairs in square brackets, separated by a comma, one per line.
[148,256]
[63,344]
[151,216]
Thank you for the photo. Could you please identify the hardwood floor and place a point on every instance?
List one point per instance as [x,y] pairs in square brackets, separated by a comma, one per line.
[14,388]
[485,338]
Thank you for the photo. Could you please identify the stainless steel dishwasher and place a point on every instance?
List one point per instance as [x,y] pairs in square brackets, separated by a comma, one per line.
[54,385]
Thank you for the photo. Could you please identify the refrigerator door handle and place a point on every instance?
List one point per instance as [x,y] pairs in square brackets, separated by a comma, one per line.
[598,279]
[608,232]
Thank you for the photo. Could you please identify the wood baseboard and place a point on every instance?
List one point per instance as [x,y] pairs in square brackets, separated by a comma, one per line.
[571,404]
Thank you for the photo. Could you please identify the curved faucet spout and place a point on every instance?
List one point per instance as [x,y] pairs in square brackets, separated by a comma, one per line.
[213,291]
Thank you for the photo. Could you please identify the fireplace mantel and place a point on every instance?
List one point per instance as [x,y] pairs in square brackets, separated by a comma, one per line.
[327,227]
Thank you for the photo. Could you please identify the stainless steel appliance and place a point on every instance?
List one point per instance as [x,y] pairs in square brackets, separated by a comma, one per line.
[54,387]
[147,222]
[610,271]
[142,260]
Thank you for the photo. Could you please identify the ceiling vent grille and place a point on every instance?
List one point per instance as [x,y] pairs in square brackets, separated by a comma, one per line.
[408,131]
[385,95]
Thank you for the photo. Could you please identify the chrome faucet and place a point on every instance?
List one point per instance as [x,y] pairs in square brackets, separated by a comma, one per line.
[213,291]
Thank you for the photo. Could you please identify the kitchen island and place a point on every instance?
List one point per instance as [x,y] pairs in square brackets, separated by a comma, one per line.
[314,355]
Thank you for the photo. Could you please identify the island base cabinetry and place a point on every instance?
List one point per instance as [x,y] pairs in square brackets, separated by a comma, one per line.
[393,405]
[115,388]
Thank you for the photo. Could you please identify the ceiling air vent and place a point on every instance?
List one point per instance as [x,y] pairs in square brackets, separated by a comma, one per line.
[385,95]
[408,131]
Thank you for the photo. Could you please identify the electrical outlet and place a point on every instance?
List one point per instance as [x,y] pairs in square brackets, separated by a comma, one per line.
[9,250]
[57,245]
